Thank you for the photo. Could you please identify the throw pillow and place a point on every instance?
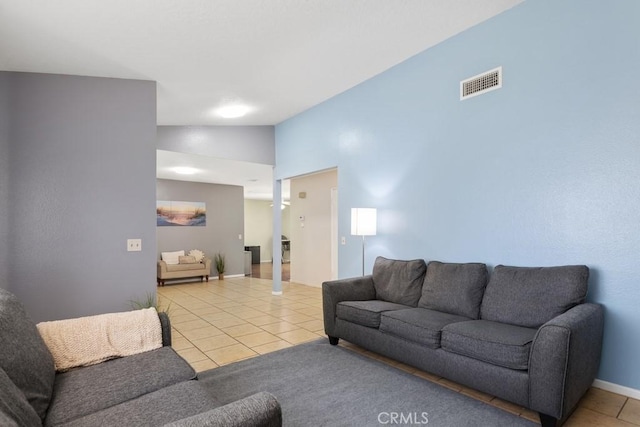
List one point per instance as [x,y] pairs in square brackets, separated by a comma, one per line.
[197,254]
[398,281]
[454,288]
[172,258]
[531,296]
[186,259]
[14,408]
[24,357]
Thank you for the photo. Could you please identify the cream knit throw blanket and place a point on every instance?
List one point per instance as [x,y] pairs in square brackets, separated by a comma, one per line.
[93,339]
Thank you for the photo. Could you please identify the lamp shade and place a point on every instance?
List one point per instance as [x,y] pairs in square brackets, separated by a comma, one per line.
[363,221]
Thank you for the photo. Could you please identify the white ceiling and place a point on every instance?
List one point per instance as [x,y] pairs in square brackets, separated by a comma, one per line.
[256,178]
[279,57]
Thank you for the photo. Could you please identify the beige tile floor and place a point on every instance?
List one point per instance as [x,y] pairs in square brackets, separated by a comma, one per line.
[221,322]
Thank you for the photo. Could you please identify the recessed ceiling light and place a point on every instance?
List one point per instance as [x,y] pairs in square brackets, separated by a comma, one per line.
[233,111]
[185,170]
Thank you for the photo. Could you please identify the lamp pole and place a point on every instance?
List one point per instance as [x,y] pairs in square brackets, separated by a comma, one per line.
[363,223]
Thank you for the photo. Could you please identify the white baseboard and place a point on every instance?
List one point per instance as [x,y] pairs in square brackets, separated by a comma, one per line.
[619,389]
[226,276]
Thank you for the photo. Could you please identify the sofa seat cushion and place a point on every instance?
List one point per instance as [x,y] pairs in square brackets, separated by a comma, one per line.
[419,325]
[398,281]
[85,390]
[365,313]
[157,408]
[24,357]
[496,343]
[531,296]
[185,267]
[454,288]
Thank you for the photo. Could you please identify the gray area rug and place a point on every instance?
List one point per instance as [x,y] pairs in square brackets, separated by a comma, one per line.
[322,385]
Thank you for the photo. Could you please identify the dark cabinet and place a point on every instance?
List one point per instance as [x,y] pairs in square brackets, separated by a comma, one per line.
[255,253]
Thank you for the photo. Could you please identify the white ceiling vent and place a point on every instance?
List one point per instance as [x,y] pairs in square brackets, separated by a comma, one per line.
[482,83]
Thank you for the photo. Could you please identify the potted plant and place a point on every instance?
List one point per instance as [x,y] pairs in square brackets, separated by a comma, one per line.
[150,300]
[219,261]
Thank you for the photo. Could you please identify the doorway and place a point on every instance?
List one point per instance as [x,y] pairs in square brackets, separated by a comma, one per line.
[314,227]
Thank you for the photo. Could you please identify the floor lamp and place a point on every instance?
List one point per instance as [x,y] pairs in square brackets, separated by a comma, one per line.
[363,223]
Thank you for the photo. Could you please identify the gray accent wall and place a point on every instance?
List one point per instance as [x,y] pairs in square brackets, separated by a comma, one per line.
[4,181]
[225,222]
[254,144]
[82,181]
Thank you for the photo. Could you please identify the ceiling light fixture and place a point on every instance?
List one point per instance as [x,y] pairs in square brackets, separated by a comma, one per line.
[233,111]
[185,170]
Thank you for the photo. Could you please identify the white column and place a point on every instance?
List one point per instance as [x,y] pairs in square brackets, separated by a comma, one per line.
[277,235]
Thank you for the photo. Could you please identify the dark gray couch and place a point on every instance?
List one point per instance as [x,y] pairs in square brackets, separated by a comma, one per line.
[154,388]
[524,335]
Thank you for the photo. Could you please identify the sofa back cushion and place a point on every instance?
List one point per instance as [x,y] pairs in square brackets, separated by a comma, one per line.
[24,355]
[398,281]
[531,296]
[454,288]
[187,259]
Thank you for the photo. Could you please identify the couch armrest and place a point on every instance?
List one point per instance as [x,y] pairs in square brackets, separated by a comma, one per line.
[564,359]
[335,291]
[207,264]
[165,324]
[259,410]
[162,268]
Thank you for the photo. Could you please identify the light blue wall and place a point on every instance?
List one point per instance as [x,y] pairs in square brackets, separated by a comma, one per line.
[82,181]
[544,171]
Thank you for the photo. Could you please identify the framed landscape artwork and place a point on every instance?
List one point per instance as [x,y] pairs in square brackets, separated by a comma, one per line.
[185,214]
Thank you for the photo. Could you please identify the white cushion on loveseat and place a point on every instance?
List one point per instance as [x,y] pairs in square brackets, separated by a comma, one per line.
[172,257]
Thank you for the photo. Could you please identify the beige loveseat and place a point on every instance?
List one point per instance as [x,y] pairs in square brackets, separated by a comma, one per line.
[185,268]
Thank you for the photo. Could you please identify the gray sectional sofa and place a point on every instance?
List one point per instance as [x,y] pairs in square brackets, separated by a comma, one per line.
[153,388]
[524,334]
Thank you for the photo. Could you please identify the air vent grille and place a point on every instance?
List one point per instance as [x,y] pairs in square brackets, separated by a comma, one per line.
[481,83]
